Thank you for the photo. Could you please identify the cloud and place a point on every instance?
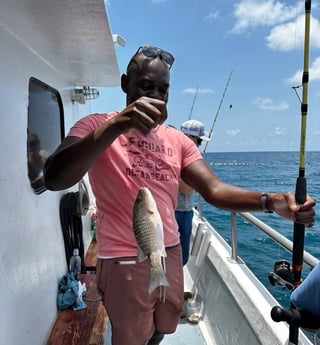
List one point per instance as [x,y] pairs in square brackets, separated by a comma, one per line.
[314,73]
[280,131]
[194,90]
[268,104]
[212,15]
[314,70]
[254,13]
[290,36]
[232,132]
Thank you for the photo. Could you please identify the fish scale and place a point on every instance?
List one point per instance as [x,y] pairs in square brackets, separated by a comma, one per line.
[148,231]
[146,239]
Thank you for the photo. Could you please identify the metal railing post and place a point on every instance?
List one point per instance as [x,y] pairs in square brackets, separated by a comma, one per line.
[234,238]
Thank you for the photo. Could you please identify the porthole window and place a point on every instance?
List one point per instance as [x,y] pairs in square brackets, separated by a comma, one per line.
[45,129]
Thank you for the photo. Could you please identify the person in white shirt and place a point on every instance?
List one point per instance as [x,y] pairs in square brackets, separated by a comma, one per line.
[184,211]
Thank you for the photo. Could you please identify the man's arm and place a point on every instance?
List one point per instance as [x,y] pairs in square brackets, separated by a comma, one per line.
[225,196]
[73,158]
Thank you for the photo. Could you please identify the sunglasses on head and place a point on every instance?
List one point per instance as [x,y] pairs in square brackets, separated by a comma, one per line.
[153,52]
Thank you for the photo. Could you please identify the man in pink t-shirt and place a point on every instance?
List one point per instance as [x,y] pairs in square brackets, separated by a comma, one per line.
[135,161]
[124,151]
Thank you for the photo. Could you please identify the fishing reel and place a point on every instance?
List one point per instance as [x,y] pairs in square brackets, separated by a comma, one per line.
[294,316]
[282,275]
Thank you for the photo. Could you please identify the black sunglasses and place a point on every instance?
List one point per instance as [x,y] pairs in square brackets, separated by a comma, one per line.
[153,52]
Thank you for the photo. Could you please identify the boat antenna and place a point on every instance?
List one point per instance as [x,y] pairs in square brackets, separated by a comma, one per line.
[218,111]
[301,190]
[194,100]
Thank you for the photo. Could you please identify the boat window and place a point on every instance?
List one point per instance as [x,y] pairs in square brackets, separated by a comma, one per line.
[45,129]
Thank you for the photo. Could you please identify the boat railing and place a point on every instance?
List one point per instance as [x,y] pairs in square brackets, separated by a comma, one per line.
[308,259]
[283,241]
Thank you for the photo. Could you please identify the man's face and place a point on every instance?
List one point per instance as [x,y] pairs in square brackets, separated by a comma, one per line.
[151,79]
[196,140]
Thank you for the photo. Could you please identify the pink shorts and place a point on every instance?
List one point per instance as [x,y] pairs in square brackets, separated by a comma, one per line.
[133,313]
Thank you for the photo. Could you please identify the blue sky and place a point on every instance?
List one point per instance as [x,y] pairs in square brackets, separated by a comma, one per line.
[261,42]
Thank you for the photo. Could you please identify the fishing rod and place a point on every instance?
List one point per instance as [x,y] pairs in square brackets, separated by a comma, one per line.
[301,183]
[294,88]
[210,133]
[194,100]
[218,111]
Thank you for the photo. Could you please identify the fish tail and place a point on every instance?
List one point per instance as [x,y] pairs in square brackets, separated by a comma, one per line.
[157,278]
[162,295]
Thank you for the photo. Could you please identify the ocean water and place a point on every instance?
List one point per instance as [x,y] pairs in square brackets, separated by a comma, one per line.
[269,172]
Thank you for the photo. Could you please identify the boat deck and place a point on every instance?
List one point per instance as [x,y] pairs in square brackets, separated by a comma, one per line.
[185,334]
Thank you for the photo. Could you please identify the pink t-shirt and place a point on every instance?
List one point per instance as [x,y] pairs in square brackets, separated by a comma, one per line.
[131,162]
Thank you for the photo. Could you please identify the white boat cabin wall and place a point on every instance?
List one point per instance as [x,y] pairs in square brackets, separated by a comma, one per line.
[43,58]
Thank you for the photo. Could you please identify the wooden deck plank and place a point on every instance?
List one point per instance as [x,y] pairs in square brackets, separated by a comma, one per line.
[82,327]
[90,259]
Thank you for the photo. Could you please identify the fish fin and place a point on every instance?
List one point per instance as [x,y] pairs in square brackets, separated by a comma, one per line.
[164,253]
[162,294]
[163,263]
[141,255]
[157,278]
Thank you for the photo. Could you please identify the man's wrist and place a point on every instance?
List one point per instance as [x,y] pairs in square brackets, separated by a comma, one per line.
[264,203]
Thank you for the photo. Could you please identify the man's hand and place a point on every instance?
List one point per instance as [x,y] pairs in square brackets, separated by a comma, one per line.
[285,205]
[143,114]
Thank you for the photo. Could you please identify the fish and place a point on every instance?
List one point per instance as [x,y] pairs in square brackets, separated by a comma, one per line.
[148,231]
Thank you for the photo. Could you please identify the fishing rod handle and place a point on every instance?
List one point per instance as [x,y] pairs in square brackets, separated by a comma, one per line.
[301,190]
[290,316]
[298,317]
